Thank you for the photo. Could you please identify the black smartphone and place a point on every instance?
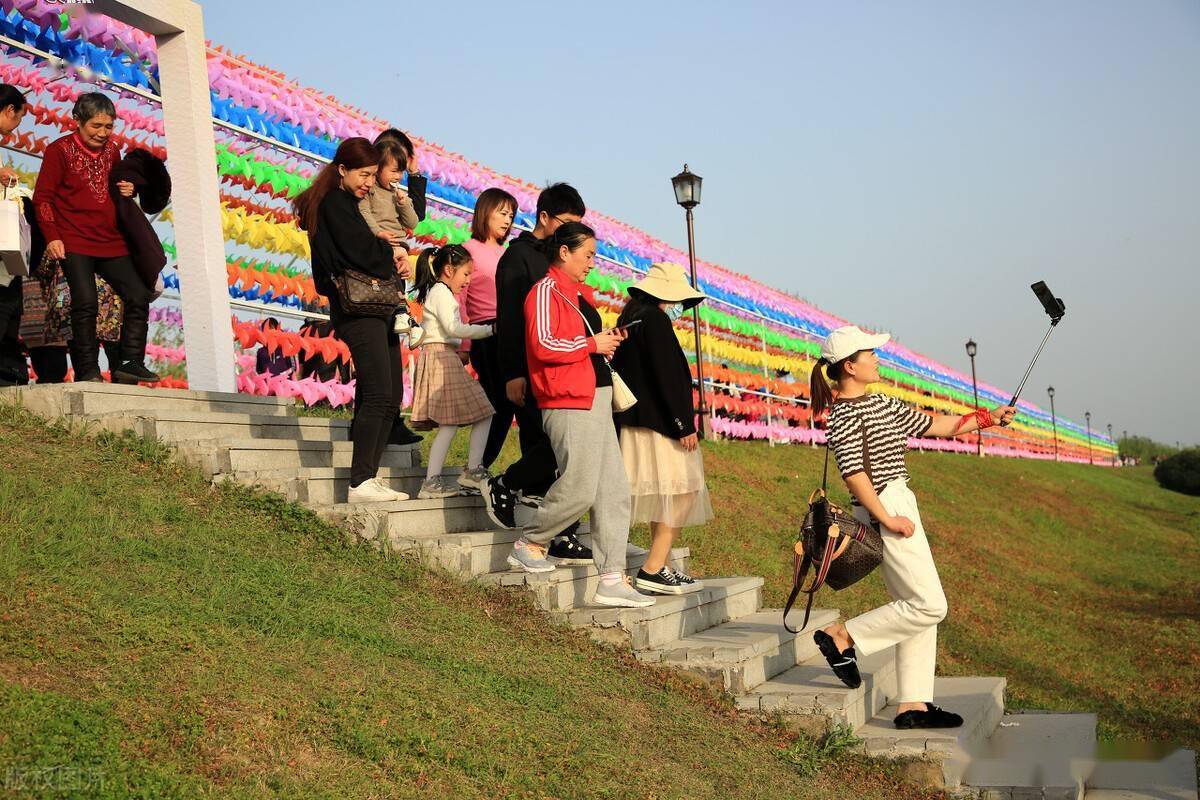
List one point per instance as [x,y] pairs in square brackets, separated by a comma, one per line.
[1055,307]
[628,325]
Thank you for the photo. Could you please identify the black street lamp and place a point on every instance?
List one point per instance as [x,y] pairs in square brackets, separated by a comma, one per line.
[1088,416]
[1053,421]
[1114,457]
[687,194]
[972,348]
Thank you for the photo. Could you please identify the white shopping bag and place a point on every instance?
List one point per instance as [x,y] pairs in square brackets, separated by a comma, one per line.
[14,237]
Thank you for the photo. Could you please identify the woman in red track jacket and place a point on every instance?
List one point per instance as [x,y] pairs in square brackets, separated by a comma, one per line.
[566,350]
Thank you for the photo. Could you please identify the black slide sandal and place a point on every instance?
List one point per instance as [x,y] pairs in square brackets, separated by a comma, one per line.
[843,664]
[933,717]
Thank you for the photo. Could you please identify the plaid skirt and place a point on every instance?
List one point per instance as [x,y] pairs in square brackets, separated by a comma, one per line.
[443,392]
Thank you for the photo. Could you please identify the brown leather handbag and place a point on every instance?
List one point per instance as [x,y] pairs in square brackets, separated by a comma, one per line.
[366,295]
[843,549]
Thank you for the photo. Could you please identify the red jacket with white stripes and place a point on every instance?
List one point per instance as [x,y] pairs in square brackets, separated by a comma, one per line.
[558,347]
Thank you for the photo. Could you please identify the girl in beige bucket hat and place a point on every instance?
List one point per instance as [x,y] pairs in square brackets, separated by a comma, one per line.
[658,433]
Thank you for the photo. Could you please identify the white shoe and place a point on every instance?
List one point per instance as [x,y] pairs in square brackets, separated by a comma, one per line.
[529,557]
[416,335]
[403,323]
[621,595]
[373,491]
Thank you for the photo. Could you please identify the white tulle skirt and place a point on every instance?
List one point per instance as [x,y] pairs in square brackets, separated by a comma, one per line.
[666,482]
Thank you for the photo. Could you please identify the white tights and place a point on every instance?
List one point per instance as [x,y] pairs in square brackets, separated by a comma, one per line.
[441,446]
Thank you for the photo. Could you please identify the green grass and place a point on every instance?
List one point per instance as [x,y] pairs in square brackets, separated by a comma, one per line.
[1077,583]
[161,638]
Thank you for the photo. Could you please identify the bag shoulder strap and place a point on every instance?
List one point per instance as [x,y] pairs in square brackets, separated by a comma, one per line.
[587,325]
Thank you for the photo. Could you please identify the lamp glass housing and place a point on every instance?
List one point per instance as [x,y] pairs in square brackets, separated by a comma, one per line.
[687,188]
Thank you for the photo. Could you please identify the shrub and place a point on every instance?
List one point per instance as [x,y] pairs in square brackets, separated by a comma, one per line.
[1180,472]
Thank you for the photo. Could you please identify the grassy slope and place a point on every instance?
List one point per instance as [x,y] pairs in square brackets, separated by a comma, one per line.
[181,641]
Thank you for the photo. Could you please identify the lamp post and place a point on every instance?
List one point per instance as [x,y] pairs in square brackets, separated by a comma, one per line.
[1088,416]
[687,194]
[1053,421]
[972,348]
[1114,455]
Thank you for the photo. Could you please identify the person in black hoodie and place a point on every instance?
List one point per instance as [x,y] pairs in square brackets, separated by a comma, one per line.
[341,240]
[523,264]
[658,433]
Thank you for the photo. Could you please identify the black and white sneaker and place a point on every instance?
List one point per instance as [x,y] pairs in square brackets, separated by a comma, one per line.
[500,503]
[531,500]
[565,549]
[688,583]
[661,582]
[843,664]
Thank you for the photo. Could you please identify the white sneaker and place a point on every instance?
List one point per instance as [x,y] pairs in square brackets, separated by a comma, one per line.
[403,323]
[416,335]
[436,488]
[621,595]
[373,491]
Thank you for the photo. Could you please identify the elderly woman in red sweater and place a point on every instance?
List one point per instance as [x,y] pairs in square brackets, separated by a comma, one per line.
[78,217]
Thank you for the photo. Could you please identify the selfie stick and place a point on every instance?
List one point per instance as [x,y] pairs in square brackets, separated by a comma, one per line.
[1056,309]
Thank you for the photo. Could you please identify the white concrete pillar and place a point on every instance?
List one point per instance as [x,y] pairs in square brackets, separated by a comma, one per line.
[178,28]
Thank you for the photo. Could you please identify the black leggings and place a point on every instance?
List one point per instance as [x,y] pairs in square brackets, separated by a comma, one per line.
[120,274]
[378,390]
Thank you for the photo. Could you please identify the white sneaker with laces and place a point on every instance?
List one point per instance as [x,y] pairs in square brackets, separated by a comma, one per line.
[621,595]
[372,491]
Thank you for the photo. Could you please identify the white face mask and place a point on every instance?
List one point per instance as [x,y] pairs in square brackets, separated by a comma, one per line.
[675,312]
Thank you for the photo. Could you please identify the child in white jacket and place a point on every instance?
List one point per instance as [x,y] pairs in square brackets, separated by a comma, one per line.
[445,395]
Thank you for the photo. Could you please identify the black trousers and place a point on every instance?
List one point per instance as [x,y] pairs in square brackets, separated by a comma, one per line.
[485,358]
[378,390]
[13,371]
[537,468]
[50,363]
[119,273]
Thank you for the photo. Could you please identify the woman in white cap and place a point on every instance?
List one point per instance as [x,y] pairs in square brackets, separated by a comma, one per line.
[658,433]
[869,435]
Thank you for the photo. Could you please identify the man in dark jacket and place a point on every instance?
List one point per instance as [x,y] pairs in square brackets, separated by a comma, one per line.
[523,264]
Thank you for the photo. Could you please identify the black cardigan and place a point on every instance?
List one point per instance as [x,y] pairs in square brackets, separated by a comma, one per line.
[652,363]
[344,241]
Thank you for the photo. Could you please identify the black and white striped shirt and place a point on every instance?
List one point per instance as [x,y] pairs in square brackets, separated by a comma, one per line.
[870,434]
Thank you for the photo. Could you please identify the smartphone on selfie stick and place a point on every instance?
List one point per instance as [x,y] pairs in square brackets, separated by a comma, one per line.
[1056,309]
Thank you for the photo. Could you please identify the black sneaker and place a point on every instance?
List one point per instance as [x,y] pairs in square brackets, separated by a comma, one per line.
[133,372]
[661,582]
[687,582]
[500,503]
[844,664]
[566,549]
[932,717]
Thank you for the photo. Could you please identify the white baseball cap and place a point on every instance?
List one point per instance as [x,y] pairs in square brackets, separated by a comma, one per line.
[848,340]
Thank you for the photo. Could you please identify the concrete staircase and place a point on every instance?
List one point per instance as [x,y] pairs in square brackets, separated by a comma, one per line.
[719,635]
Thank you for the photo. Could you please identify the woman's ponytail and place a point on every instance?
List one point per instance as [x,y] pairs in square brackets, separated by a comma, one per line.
[819,390]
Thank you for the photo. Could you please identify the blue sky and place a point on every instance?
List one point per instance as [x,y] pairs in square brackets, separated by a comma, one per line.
[909,166]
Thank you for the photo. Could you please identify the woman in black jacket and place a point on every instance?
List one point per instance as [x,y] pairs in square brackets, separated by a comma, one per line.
[658,433]
[341,240]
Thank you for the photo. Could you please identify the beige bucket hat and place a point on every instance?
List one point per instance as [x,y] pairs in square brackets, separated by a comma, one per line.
[667,283]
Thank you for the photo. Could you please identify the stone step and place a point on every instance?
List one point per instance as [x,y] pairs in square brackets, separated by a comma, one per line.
[980,702]
[86,399]
[192,425]
[570,587]
[326,486]
[248,456]
[739,655]
[406,519]
[1171,777]
[809,697]
[1034,754]
[670,618]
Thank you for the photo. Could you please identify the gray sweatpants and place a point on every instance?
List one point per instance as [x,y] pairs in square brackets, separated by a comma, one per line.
[591,476]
